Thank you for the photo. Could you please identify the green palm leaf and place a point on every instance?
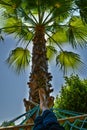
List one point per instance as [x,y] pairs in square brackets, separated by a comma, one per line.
[82,4]
[19,29]
[51,51]
[63,8]
[59,36]
[77,32]
[67,60]
[19,59]
[10,5]
[12,25]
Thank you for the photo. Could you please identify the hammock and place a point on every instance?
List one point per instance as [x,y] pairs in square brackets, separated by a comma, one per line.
[69,119]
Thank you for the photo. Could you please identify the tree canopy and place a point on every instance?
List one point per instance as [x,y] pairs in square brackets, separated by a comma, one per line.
[64,21]
[73,95]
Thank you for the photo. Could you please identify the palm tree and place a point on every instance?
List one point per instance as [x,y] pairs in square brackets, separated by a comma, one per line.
[48,25]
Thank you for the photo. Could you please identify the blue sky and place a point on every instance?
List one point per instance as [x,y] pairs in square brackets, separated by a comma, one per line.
[13,87]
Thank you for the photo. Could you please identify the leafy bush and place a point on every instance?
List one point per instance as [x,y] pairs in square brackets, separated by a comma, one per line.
[73,95]
[6,123]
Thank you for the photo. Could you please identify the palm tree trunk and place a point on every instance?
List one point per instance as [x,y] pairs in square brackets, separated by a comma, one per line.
[39,77]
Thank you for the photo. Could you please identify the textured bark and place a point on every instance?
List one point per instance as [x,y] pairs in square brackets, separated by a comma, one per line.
[39,77]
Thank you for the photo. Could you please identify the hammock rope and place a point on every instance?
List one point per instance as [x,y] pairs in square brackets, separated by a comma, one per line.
[69,119]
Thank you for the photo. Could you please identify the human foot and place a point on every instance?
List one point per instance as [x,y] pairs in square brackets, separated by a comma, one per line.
[45,103]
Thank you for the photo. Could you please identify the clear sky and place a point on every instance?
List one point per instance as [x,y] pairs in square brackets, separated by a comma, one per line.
[13,87]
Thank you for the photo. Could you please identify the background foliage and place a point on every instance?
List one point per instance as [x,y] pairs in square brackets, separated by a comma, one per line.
[73,95]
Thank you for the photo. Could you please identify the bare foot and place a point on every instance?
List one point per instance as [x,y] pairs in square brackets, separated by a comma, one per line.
[50,101]
[45,103]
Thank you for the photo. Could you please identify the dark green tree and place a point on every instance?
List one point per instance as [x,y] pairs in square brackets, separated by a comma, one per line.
[47,25]
[73,95]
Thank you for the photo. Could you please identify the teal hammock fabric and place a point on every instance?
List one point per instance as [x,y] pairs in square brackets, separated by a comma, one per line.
[77,124]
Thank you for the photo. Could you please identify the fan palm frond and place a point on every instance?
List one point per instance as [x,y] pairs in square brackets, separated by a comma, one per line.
[19,29]
[82,5]
[19,59]
[67,60]
[10,6]
[59,36]
[51,51]
[77,32]
[12,25]
[63,8]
